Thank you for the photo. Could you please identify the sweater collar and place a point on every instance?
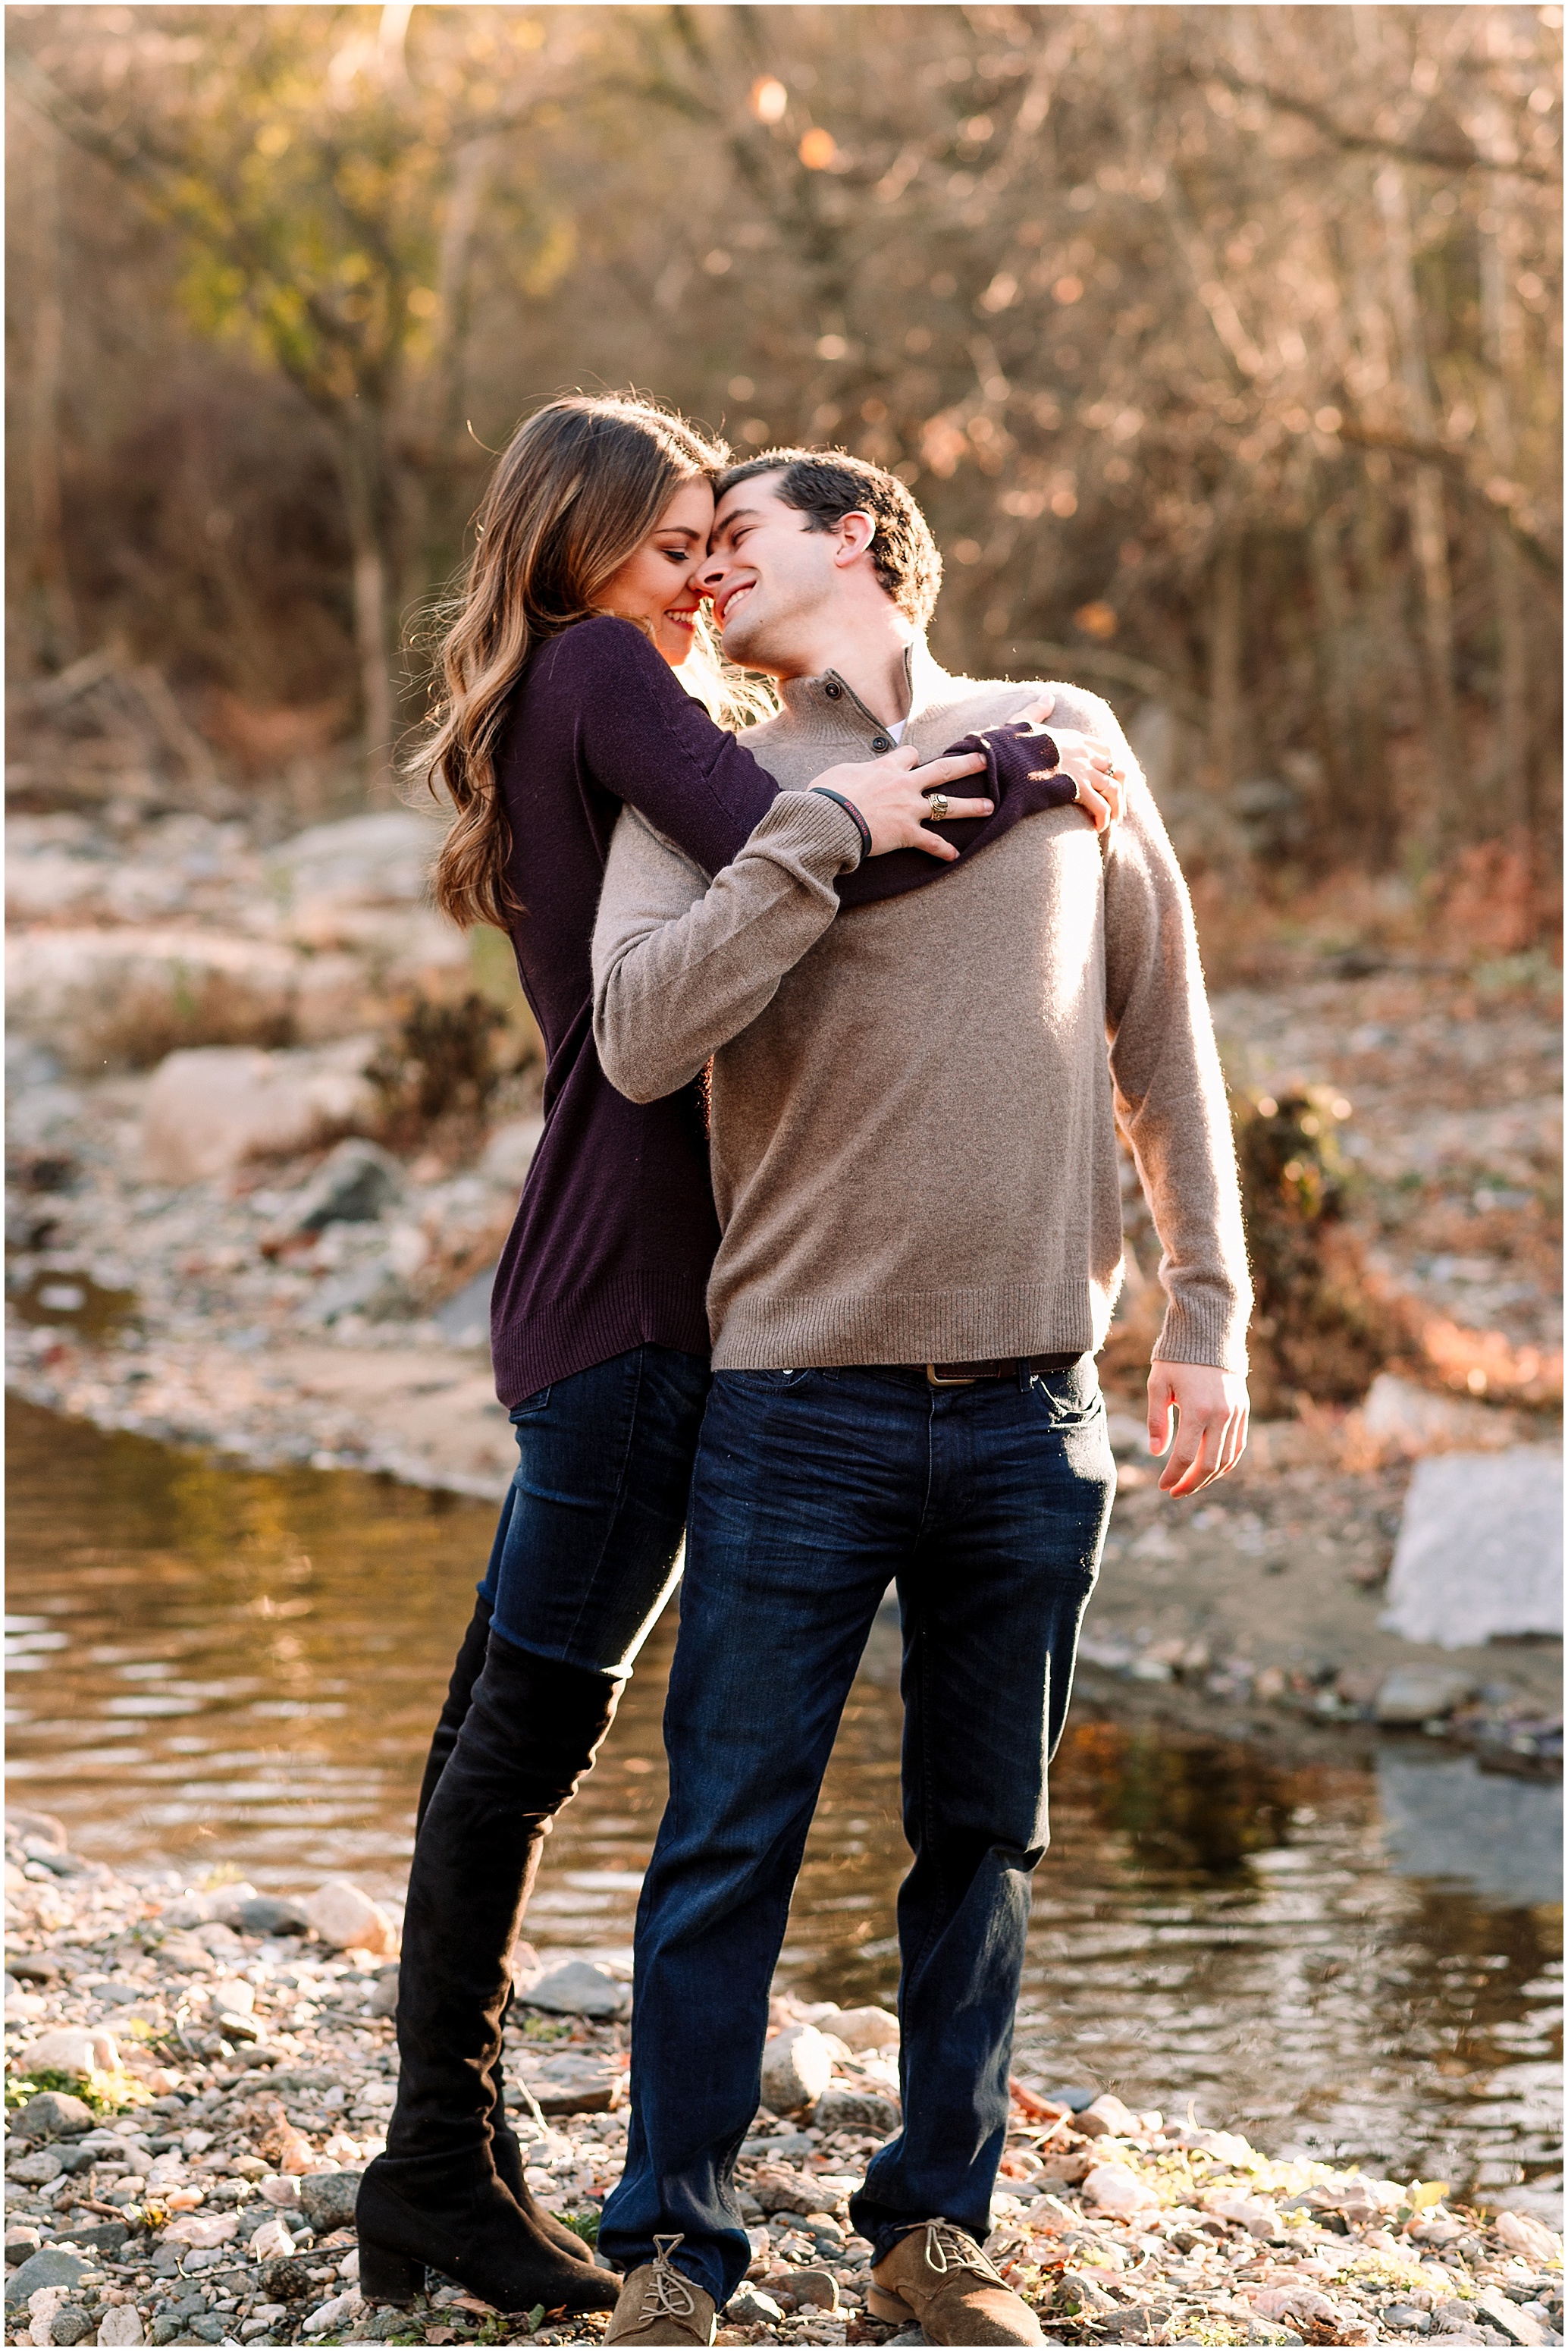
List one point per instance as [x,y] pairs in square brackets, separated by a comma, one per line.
[828,706]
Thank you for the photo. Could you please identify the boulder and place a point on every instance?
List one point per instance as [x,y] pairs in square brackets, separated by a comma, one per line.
[581,1988]
[377,859]
[352,1186]
[210,1109]
[1405,1418]
[1480,1549]
[345,1917]
[328,2199]
[796,2068]
[1413,1694]
[125,997]
[70,2049]
[861,2029]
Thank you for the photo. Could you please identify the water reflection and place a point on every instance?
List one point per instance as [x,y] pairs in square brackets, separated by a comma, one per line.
[219,1665]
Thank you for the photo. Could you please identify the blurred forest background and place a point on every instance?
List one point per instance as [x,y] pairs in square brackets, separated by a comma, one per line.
[1221,345]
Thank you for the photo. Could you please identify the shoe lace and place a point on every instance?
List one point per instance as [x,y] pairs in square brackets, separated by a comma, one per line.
[667,2294]
[949,2247]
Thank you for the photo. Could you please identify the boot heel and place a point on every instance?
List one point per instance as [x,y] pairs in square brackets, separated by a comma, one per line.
[890,2308]
[386,2276]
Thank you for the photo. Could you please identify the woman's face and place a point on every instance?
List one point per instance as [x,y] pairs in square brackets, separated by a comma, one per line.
[658,583]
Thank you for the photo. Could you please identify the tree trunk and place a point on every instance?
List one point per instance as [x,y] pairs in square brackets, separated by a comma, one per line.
[1428,516]
[361,472]
[1225,666]
[49,570]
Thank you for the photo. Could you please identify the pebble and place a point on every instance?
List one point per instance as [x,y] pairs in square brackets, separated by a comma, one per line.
[1176,2233]
[579,1988]
[796,2067]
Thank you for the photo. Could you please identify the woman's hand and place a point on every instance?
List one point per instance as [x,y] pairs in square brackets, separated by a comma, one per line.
[1091,763]
[890,794]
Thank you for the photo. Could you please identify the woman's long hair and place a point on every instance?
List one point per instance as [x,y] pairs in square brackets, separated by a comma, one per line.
[577,490]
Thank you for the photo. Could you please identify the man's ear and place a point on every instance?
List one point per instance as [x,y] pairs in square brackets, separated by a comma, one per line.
[855,532]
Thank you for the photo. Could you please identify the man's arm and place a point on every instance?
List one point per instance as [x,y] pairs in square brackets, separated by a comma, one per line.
[1171,1105]
[682,965]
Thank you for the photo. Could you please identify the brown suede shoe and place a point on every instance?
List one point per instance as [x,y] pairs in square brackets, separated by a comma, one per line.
[937,2277]
[658,2305]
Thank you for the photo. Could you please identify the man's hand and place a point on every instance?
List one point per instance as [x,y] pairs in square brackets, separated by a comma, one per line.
[1091,763]
[1211,1432]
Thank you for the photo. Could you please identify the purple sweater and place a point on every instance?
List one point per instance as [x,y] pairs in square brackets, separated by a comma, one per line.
[615,1233]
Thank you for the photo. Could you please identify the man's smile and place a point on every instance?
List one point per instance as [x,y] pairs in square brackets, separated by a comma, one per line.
[729,598]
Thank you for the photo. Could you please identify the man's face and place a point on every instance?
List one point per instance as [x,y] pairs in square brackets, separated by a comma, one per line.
[768,574]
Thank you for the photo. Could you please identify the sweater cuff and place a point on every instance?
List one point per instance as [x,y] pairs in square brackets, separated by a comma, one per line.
[810,821]
[1206,1331]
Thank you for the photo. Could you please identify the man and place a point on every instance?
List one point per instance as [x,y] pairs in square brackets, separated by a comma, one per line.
[914,1120]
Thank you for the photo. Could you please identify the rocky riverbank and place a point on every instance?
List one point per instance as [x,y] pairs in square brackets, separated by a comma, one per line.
[197,2078]
[211,1246]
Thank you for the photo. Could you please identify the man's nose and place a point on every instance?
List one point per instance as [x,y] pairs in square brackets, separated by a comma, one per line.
[711,571]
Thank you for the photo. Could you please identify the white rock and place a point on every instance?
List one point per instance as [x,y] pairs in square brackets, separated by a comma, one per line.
[1480,1549]
[70,2049]
[93,994]
[344,1915]
[382,859]
[861,2029]
[272,2241]
[210,1108]
[280,2191]
[335,2313]
[235,1994]
[1412,1420]
[508,1154]
[1248,2213]
[202,2229]
[1523,2233]
[119,2324]
[1107,2117]
[1112,2188]
[796,2069]
[42,2305]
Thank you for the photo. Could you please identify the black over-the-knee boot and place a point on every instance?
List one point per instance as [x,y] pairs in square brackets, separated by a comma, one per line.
[434,2198]
[506,2152]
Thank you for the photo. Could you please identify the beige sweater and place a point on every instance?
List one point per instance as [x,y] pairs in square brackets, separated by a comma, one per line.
[913,1111]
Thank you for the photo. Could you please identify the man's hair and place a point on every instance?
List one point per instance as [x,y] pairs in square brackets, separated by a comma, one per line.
[825,485]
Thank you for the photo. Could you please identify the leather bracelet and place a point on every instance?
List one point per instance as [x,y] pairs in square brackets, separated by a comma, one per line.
[851,810]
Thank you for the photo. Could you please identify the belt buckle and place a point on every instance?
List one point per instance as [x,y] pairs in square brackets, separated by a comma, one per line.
[934,1379]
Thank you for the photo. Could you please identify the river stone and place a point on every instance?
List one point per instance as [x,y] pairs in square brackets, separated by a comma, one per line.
[384,2000]
[271,1914]
[811,2290]
[751,2306]
[1413,1694]
[352,1186]
[1107,2117]
[345,1917]
[121,2323]
[36,2170]
[1115,2187]
[210,1107]
[53,2114]
[579,1988]
[50,2266]
[70,2326]
[70,2049]
[842,2108]
[328,2199]
[796,2069]
[106,2238]
[861,2029]
[1480,1549]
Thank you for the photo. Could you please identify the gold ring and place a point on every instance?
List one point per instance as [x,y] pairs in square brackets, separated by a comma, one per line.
[938,805]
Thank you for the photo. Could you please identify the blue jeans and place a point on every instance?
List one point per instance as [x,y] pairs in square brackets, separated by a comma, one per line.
[584,1556]
[812,1490]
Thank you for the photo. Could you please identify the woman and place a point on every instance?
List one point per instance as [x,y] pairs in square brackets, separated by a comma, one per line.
[561,703]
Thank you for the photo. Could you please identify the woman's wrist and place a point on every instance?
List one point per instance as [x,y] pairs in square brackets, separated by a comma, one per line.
[852,813]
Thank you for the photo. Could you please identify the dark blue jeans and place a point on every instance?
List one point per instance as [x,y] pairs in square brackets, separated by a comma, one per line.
[812,1490]
[584,1556]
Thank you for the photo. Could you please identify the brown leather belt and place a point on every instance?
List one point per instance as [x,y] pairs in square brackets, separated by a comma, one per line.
[963,1375]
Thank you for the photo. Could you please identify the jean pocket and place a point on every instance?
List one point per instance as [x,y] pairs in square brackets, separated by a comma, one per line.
[775,1383]
[1072,1399]
[530,1406]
